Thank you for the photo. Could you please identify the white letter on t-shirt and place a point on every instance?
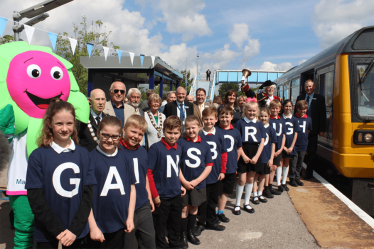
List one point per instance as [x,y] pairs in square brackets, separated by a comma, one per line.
[303,126]
[170,163]
[56,180]
[136,169]
[213,150]
[266,140]
[290,129]
[108,182]
[252,134]
[275,128]
[194,157]
[231,142]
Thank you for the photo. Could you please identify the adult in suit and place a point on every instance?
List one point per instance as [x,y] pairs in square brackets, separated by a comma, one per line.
[115,106]
[134,96]
[180,107]
[317,111]
[87,133]
[144,103]
[199,105]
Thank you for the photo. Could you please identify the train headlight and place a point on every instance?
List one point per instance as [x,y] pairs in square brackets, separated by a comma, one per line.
[363,137]
[368,138]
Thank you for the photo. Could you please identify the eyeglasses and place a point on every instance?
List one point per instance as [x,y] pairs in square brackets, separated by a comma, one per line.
[117,90]
[113,137]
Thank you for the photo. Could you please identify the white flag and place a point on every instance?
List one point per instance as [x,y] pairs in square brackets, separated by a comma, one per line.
[106,51]
[132,58]
[153,61]
[29,32]
[73,44]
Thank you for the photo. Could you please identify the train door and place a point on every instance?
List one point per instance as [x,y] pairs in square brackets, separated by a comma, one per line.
[304,77]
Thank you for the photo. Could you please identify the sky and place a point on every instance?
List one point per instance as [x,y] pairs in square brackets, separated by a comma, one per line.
[259,35]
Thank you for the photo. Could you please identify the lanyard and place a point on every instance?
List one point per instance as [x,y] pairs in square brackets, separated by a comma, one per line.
[180,110]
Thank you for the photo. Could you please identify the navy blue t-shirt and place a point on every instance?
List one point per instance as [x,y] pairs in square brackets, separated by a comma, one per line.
[139,160]
[62,177]
[305,124]
[232,136]
[114,176]
[165,165]
[218,145]
[292,126]
[195,156]
[280,130]
[251,132]
[271,138]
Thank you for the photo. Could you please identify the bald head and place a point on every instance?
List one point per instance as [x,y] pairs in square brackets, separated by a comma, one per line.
[98,100]
[189,98]
[181,94]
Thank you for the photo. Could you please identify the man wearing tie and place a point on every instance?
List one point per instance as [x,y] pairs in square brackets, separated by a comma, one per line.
[317,111]
[181,107]
[87,133]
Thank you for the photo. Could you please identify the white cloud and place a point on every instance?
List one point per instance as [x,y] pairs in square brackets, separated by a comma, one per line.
[335,19]
[268,66]
[301,62]
[239,34]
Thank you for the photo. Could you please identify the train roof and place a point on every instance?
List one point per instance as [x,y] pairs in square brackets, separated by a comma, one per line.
[361,41]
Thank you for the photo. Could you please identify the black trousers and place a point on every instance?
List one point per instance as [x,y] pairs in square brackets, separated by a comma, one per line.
[77,244]
[112,240]
[312,151]
[296,165]
[207,210]
[169,213]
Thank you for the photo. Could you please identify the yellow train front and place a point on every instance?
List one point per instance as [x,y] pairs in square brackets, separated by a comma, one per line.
[344,75]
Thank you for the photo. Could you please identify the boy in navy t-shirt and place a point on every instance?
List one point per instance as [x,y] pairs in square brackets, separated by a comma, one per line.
[301,145]
[232,136]
[196,165]
[136,156]
[215,138]
[163,175]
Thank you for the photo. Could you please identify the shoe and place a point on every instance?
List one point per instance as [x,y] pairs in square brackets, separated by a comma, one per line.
[198,230]
[215,227]
[218,221]
[192,239]
[280,189]
[249,209]
[267,193]
[223,218]
[255,200]
[293,183]
[262,199]
[285,187]
[300,183]
[238,212]
[274,192]
[183,241]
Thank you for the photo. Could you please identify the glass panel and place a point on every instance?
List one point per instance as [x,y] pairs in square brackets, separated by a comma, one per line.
[252,78]
[294,94]
[365,92]
[233,76]
[286,94]
[280,74]
[262,77]
[273,76]
[295,82]
[222,76]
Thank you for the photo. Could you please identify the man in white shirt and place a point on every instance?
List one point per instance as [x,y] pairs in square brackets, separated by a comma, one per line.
[181,107]
[199,105]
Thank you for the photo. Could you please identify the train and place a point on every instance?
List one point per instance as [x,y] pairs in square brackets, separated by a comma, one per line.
[344,75]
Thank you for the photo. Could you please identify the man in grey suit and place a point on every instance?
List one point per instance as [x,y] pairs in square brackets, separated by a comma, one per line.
[116,107]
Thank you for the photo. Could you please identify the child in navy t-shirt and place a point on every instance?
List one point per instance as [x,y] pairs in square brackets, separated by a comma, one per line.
[164,159]
[232,136]
[196,165]
[59,181]
[114,194]
[292,129]
[305,124]
[136,156]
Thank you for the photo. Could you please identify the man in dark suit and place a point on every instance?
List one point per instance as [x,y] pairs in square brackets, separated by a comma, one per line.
[87,133]
[317,111]
[180,107]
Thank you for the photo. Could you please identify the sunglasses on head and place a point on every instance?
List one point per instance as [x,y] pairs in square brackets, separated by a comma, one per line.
[117,90]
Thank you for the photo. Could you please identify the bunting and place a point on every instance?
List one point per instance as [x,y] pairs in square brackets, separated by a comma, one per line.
[153,61]
[106,50]
[3,22]
[29,32]
[53,39]
[89,49]
[119,52]
[131,58]
[141,59]
[73,44]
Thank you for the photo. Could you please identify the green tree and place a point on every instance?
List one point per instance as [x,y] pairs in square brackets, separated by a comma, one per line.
[189,80]
[228,86]
[6,39]
[83,35]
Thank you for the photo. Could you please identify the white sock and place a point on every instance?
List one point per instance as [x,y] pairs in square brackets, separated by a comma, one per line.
[279,174]
[239,192]
[259,193]
[248,191]
[254,194]
[285,173]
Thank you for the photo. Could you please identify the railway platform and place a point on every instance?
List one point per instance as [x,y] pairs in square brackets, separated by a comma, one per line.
[315,215]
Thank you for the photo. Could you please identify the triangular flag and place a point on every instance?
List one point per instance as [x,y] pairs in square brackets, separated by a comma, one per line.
[2,25]
[153,61]
[29,32]
[106,50]
[73,44]
[89,49]
[141,58]
[119,52]
[132,58]
[53,38]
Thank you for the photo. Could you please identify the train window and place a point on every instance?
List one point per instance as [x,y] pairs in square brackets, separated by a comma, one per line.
[326,84]
[366,91]
[295,90]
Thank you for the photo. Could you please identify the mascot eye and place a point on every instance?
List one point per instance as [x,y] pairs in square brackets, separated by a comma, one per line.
[56,73]
[33,71]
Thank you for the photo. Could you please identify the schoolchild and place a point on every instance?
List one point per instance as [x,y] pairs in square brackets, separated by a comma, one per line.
[232,136]
[292,130]
[114,194]
[280,129]
[253,135]
[144,231]
[215,138]
[305,124]
[163,175]
[59,181]
[196,165]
